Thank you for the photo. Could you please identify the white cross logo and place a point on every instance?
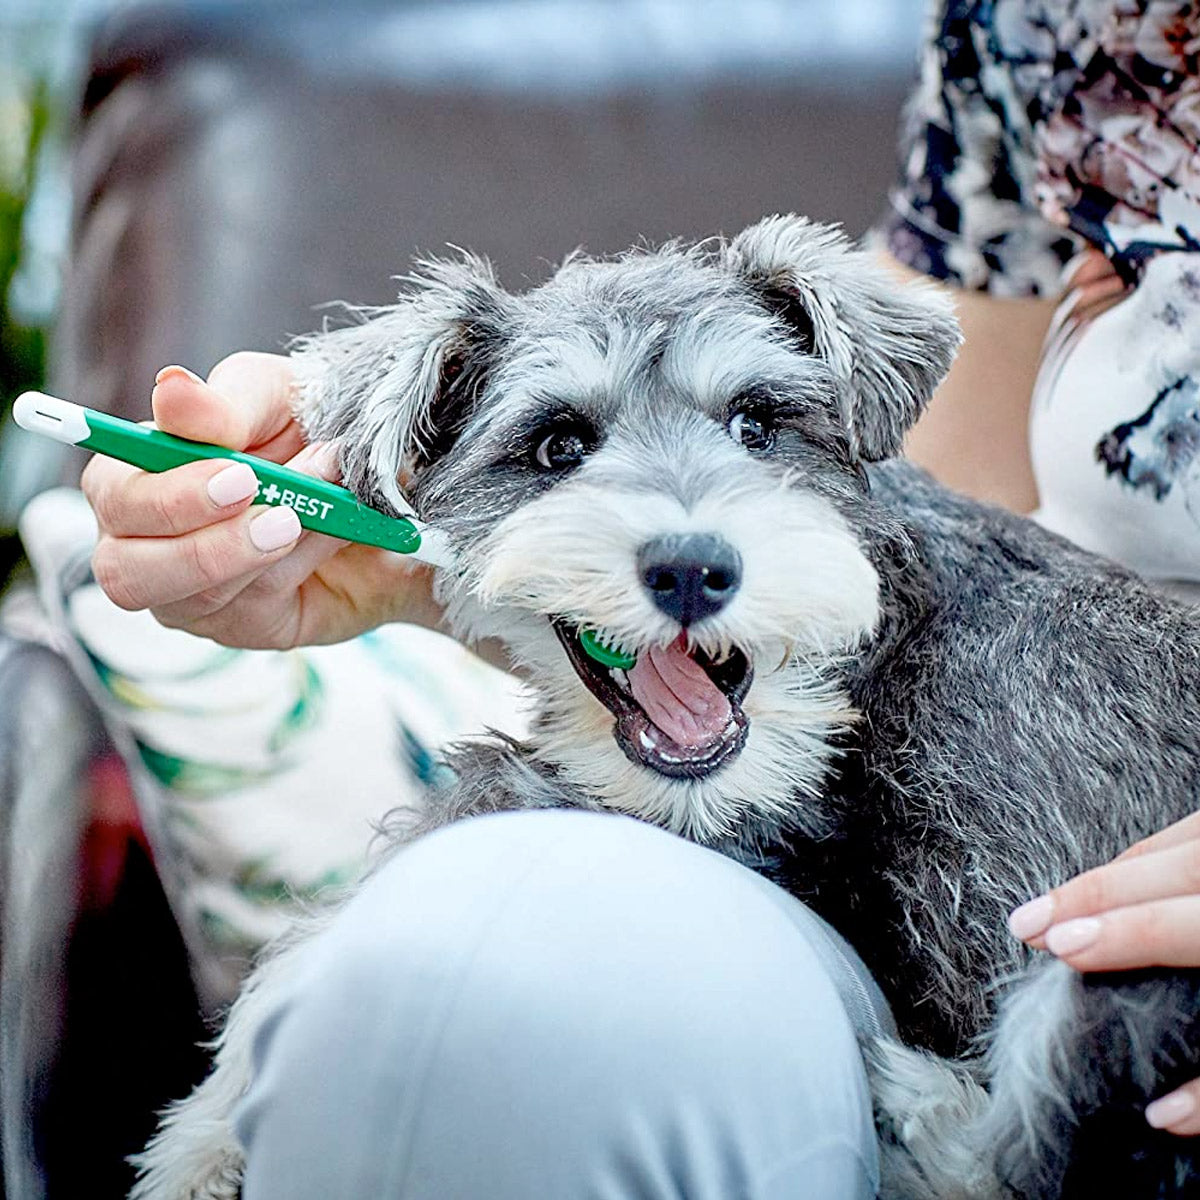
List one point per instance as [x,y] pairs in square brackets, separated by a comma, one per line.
[271,494]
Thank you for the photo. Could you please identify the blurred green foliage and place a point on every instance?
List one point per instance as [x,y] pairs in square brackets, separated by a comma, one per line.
[22,346]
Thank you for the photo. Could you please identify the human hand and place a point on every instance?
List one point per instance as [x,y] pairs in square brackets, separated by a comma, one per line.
[1091,286]
[1140,910]
[190,545]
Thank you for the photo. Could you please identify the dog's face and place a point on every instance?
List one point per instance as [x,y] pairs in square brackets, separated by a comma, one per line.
[665,450]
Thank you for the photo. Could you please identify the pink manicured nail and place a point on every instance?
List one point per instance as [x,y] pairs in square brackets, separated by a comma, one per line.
[235,483]
[1170,1110]
[274,529]
[1072,936]
[1031,918]
[175,369]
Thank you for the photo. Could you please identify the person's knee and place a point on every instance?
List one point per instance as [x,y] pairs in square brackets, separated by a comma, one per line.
[583,994]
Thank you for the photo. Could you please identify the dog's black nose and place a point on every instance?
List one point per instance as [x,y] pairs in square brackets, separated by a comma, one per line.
[690,576]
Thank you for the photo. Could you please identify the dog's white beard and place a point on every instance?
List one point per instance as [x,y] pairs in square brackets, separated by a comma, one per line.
[807,595]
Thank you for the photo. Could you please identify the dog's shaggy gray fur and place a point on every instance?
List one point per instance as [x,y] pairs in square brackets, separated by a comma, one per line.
[937,710]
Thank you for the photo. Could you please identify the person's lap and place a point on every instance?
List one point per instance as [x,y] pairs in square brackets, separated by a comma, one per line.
[566,1005]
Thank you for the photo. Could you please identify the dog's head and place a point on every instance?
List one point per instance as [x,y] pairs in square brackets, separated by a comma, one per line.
[665,449]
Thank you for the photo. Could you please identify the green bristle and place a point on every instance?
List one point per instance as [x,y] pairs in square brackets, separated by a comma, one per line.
[589,639]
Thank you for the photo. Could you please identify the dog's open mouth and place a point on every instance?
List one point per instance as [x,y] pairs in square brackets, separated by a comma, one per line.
[678,712]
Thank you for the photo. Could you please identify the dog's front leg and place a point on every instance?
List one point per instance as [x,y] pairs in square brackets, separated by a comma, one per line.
[195,1155]
[1073,1063]
[1075,1060]
[928,1112]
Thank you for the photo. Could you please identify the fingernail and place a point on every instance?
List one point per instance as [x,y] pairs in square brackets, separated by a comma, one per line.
[1072,936]
[1170,1110]
[175,369]
[235,483]
[1031,918]
[325,462]
[274,529]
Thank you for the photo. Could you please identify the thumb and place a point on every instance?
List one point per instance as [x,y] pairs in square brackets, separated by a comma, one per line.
[246,404]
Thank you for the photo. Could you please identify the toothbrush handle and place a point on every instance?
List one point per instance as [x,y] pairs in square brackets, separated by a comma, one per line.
[321,506]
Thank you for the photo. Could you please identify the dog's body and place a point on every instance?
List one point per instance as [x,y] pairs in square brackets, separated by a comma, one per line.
[1026,716]
[914,711]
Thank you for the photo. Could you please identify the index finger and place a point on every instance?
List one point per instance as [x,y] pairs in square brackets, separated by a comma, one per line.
[1186,830]
[1122,883]
[246,404]
[1088,267]
[1158,933]
[102,473]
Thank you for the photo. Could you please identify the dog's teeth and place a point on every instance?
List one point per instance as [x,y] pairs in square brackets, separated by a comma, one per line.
[648,742]
[619,677]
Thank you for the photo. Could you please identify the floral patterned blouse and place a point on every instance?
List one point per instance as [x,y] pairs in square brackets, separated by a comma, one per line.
[1041,125]
[1041,128]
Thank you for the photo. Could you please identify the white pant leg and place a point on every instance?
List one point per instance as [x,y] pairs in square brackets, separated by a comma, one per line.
[564,1005]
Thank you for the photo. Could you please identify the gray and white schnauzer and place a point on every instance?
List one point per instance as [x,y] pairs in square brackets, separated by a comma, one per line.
[912,710]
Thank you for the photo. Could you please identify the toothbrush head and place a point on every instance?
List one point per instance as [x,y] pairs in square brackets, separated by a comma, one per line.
[603,653]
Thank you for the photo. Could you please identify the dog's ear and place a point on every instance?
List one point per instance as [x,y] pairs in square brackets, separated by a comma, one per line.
[887,344]
[396,388]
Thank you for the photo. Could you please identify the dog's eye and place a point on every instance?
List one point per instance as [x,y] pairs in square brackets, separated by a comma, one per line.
[562,449]
[753,429]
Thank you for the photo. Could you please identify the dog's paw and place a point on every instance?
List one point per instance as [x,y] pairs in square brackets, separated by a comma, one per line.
[196,1160]
[926,1110]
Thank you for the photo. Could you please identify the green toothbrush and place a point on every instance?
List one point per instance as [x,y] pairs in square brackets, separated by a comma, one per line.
[323,507]
[596,647]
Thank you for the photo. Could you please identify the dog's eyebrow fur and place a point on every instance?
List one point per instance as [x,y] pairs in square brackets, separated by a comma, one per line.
[587,358]
[713,364]
[534,417]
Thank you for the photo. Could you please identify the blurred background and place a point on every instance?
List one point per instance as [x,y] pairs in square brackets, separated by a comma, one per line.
[182,180]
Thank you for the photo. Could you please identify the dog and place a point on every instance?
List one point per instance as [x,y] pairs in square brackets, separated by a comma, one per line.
[912,710]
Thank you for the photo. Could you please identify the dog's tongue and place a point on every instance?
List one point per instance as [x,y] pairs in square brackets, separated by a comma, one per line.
[676,693]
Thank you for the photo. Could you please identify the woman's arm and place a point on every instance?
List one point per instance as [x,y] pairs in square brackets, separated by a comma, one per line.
[974,436]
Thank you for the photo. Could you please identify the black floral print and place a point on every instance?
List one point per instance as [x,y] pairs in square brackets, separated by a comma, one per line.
[1041,125]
